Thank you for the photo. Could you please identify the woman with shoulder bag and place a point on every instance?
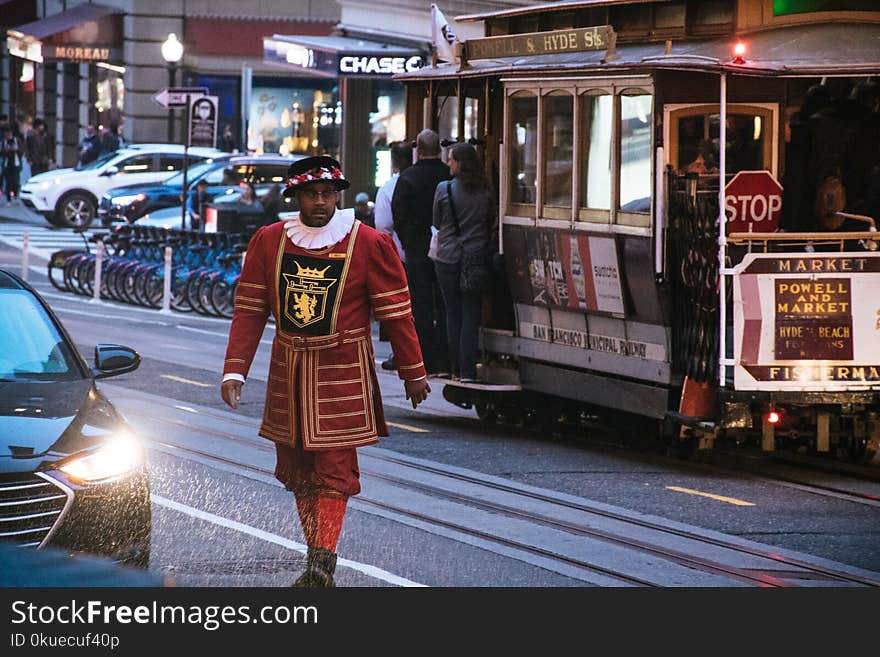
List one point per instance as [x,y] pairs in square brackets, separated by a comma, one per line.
[463,214]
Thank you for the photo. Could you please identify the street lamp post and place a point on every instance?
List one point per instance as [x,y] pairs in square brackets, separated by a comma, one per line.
[172,52]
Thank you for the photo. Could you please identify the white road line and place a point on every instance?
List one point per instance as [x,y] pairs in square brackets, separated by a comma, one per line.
[366,569]
[219,335]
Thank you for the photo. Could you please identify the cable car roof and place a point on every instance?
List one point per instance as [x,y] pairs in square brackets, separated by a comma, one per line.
[801,50]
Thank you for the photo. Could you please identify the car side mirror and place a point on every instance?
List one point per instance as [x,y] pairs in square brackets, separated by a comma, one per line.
[114,359]
[111,171]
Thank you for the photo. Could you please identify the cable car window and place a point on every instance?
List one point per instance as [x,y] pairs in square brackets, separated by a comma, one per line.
[558,150]
[523,149]
[471,117]
[596,130]
[447,117]
[635,153]
[695,137]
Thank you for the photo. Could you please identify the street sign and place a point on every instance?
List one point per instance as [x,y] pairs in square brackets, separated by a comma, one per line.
[175,97]
[753,202]
[203,121]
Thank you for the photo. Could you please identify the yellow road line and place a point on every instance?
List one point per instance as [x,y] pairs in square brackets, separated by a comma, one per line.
[720,498]
[407,427]
[171,377]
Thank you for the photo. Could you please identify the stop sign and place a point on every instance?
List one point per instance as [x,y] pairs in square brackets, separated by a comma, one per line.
[753,202]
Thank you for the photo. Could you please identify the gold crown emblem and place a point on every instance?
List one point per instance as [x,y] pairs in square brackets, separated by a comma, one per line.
[307,272]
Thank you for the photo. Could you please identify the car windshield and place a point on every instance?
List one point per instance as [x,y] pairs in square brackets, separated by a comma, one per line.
[31,348]
[103,159]
[195,171]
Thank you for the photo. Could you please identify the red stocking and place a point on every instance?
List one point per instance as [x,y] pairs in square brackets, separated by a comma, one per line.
[329,513]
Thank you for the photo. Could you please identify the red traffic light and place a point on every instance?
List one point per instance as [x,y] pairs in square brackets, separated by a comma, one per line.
[773,417]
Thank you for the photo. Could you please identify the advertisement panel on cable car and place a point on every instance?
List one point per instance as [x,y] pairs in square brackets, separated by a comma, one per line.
[807,321]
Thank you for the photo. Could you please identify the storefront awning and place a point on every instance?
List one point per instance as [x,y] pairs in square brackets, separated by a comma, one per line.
[802,50]
[335,56]
[85,33]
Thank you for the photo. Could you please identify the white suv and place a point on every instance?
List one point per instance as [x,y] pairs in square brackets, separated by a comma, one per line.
[69,197]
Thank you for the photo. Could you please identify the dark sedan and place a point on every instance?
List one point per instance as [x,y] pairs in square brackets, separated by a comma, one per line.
[222,175]
[72,473]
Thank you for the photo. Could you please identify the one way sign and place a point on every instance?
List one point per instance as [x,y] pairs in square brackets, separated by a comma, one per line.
[171,97]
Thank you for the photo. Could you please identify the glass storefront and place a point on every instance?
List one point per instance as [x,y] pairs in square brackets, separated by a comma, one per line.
[294,119]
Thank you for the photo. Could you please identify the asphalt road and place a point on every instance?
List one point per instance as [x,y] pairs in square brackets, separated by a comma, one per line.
[229,523]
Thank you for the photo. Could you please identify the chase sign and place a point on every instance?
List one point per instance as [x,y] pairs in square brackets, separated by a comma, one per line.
[372,65]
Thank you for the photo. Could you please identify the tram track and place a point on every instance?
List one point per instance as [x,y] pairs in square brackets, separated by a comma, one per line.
[778,568]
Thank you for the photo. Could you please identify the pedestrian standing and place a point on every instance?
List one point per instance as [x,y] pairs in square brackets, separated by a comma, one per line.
[110,140]
[463,216]
[363,210]
[89,147]
[401,158]
[11,154]
[195,205]
[319,274]
[40,148]
[412,209]
[227,139]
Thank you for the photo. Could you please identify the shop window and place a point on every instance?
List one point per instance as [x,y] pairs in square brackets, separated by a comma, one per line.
[523,150]
[635,152]
[596,128]
[558,149]
[695,134]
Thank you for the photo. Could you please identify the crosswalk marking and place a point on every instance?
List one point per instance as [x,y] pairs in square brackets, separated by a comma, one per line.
[42,240]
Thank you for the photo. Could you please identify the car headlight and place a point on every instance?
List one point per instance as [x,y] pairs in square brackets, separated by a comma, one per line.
[128,200]
[43,186]
[119,455]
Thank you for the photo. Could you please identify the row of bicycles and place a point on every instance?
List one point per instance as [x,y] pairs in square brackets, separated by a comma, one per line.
[205,268]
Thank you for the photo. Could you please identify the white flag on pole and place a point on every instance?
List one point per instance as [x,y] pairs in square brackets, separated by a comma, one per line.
[442,36]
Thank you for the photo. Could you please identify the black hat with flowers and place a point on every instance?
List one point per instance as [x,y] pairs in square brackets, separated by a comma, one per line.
[319,168]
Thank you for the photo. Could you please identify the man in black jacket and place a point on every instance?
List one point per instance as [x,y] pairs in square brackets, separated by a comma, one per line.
[412,209]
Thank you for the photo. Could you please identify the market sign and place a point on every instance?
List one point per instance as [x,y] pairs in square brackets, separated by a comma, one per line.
[804,321]
[541,43]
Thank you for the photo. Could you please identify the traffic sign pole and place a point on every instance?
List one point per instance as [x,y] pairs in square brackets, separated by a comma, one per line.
[186,142]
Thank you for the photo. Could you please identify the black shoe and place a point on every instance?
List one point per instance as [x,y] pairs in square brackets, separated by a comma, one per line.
[389,363]
[320,566]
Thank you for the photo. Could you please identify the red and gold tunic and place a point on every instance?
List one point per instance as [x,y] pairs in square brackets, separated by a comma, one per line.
[322,387]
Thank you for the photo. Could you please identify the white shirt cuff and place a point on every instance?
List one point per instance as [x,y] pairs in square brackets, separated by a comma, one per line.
[232,377]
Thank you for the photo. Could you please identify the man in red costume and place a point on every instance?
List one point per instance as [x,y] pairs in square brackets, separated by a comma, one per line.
[320,274]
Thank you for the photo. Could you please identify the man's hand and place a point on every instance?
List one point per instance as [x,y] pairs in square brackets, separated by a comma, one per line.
[231,393]
[416,391]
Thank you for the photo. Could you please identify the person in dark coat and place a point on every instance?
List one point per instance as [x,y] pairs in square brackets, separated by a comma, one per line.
[463,215]
[363,211]
[89,146]
[412,210]
[40,148]
[195,205]
[11,159]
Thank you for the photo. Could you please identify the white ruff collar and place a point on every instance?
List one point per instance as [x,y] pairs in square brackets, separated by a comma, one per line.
[307,237]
